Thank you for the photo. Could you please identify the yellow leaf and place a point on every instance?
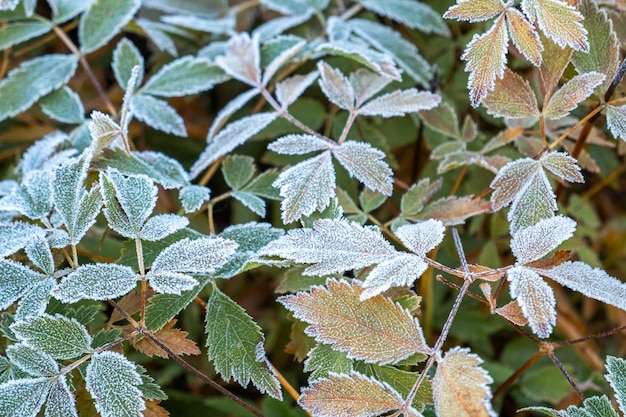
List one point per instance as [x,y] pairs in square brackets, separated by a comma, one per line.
[351,395]
[460,386]
[374,330]
[155,410]
[524,36]
[562,23]
[474,10]
[486,60]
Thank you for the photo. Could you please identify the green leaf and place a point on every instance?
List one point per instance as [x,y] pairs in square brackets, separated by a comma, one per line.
[34,362]
[58,336]
[103,20]
[17,279]
[149,390]
[61,402]
[593,407]
[238,170]
[112,381]
[415,15]
[33,79]
[235,345]
[371,200]
[63,105]
[157,114]
[262,185]
[125,57]
[414,199]
[184,76]
[63,10]
[96,282]
[162,225]
[323,359]
[16,32]
[157,33]
[103,336]
[616,375]
[23,397]
[251,201]
[34,302]
[193,197]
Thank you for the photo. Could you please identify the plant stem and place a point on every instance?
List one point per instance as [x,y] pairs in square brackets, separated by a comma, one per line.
[144,284]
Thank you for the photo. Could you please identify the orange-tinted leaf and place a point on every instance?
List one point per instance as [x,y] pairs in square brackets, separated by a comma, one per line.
[563,166]
[559,257]
[503,138]
[513,313]
[474,10]
[175,339]
[154,410]
[512,97]
[299,343]
[524,36]
[485,288]
[460,386]
[374,330]
[351,395]
[455,210]
[486,274]
[603,53]
[486,59]
[573,92]
[551,70]
[562,23]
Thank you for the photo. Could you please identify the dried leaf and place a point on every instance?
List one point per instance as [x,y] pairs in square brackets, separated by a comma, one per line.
[511,97]
[513,313]
[524,36]
[455,210]
[399,103]
[375,330]
[571,94]
[351,395]
[460,386]
[486,60]
[175,339]
[536,299]
[336,86]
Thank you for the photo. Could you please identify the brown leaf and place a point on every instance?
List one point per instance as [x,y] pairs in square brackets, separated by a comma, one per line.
[153,409]
[486,60]
[503,138]
[175,339]
[524,36]
[374,330]
[455,210]
[513,313]
[559,257]
[487,274]
[460,386]
[130,303]
[512,97]
[485,288]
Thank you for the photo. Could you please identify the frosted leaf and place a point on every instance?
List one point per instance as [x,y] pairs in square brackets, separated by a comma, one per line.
[616,121]
[162,225]
[571,94]
[34,198]
[63,10]
[136,196]
[58,336]
[103,20]
[116,218]
[125,57]
[455,210]
[157,114]
[125,115]
[563,166]
[374,330]
[229,138]
[413,14]
[8,4]
[366,84]
[387,40]
[229,109]
[274,27]
[35,301]
[306,187]
[524,36]
[536,299]
[15,236]
[461,386]
[201,256]
[17,279]
[43,154]
[167,282]
[560,21]
[193,197]
[156,32]
[61,402]
[416,196]
[33,79]
[336,86]
[34,362]
[616,376]
[366,164]
[58,238]
[352,395]
[96,282]
[242,59]
[235,345]
[535,201]
[103,130]
[63,105]
[592,282]
[281,60]
[184,76]
[474,11]
[399,103]
[421,237]
[23,397]
[534,242]
[511,97]
[332,246]
[251,201]
[400,271]
[238,170]
[112,380]
[216,26]
[323,359]
[299,145]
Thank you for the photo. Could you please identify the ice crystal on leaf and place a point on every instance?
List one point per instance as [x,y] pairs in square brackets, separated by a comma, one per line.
[288,90]
[336,86]
[96,282]
[242,59]
[537,241]
[34,362]
[17,279]
[17,235]
[61,401]
[23,397]
[112,380]
[375,330]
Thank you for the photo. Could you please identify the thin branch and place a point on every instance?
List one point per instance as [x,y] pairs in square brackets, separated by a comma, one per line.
[566,374]
[510,380]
